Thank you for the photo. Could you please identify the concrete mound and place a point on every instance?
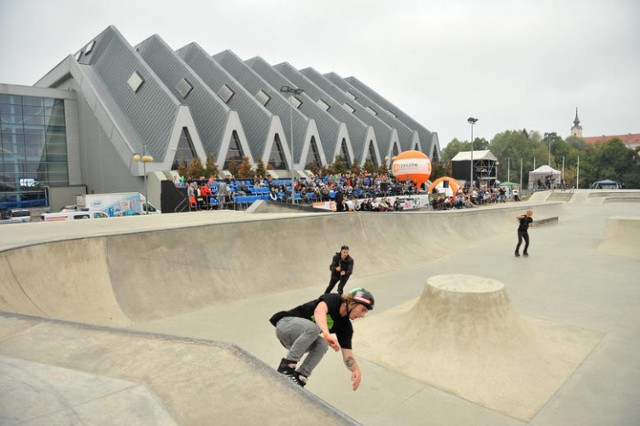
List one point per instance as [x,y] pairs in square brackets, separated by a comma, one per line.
[463,336]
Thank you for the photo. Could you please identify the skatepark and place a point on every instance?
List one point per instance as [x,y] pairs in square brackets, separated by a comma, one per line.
[164,319]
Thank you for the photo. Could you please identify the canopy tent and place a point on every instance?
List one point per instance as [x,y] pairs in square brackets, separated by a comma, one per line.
[544,177]
[509,184]
[484,167]
[445,185]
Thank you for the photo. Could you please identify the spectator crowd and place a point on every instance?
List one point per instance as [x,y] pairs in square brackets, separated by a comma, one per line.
[364,192]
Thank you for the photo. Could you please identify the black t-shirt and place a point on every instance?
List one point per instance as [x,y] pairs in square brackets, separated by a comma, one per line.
[524,223]
[339,325]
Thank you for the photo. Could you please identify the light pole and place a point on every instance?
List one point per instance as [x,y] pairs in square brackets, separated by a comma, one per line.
[293,91]
[508,169]
[471,121]
[549,137]
[145,159]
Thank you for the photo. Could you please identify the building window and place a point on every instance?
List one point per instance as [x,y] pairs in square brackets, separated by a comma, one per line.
[348,107]
[322,104]
[295,102]
[276,157]
[225,93]
[345,153]
[351,95]
[314,154]
[78,55]
[33,149]
[392,113]
[185,151]
[135,81]
[234,152]
[262,97]
[372,154]
[184,87]
[371,110]
[89,47]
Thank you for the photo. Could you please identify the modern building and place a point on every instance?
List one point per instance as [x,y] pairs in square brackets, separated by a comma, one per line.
[81,125]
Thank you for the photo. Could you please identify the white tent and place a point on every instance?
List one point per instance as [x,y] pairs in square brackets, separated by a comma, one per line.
[544,177]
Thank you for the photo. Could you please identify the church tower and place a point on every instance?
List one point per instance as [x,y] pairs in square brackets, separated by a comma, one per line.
[576,130]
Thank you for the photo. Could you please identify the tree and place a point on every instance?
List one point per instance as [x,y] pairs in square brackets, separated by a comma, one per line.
[211,168]
[233,167]
[453,148]
[315,169]
[513,146]
[195,170]
[245,171]
[182,168]
[356,169]
[326,170]
[261,171]
[369,167]
[480,144]
[437,170]
[610,160]
[339,167]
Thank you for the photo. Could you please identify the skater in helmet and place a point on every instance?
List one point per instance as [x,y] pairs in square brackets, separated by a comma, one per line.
[315,326]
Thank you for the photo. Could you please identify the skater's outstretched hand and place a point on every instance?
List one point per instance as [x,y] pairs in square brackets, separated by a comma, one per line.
[352,365]
[355,379]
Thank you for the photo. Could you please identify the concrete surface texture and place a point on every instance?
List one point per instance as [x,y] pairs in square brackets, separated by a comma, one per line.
[212,279]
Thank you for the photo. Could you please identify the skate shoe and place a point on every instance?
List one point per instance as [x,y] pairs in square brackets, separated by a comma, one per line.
[287,367]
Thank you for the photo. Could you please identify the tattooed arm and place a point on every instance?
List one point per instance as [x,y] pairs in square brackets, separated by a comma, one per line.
[352,365]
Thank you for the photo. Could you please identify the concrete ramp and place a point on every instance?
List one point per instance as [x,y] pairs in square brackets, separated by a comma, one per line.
[621,237]
[463,336]
[108,375]
[124,279]
[68,280]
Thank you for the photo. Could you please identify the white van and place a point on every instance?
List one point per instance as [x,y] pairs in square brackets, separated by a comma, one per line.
[84,214]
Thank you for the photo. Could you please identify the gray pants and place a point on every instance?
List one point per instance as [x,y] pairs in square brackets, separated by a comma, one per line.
[301,335]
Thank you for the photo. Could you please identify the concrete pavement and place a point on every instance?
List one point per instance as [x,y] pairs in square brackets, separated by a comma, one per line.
[221,281]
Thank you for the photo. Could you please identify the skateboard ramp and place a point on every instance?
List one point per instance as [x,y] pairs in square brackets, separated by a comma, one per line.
[621,237]
[107,376]
[463,336]
[124,279]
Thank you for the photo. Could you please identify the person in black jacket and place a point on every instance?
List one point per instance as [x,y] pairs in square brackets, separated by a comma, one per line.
[341,269]
[339,198]
[525,221]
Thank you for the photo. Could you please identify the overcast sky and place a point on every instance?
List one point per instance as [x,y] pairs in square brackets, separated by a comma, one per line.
[513,64]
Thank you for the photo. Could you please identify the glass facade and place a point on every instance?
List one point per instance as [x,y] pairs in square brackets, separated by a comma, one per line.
[33,149]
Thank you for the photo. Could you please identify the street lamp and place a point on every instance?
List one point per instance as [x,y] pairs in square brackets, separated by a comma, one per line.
[144,158]
[471,121]
[293,91]
[549,137]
